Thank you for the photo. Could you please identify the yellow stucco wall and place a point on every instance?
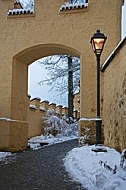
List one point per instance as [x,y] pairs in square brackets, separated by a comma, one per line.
[114,106]
[26,38]
[35,118]
[37,111]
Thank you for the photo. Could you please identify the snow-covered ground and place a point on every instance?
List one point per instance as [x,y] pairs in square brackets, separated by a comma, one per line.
[34,143]
[85,166]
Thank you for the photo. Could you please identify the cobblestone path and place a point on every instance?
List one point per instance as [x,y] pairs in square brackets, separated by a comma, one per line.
[38,170]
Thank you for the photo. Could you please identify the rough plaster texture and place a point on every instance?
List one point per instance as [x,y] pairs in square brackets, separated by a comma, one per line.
[114,106]
[87,132]
[35,118]
[9,131]
[26,38]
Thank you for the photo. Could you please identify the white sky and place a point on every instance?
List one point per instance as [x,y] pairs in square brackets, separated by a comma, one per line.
[38,73]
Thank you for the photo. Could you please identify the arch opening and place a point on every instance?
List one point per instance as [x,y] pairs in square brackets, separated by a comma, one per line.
[54,75]
[21,61]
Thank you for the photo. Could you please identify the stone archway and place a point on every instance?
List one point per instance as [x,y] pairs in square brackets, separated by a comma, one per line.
[17,123]
[20,73]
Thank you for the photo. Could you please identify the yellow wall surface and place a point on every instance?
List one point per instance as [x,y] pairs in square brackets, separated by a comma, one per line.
[114,105]
[35,118]
[27,37]
[37,111]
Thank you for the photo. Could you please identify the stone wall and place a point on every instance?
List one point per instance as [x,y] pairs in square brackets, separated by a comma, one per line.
[37,111]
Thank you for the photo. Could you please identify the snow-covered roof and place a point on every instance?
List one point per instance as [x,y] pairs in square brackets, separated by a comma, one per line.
[113,54]
[36,98]
[71,6]
[20,11]
[32,107]
[42,109]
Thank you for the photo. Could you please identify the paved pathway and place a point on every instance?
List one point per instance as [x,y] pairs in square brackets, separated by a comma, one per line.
[38,170]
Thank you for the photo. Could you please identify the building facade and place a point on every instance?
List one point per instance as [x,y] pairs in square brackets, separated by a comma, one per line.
[52,27]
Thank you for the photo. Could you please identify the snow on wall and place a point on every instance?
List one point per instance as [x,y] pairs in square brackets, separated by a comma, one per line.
[20,11]
[28,7]
[70,6]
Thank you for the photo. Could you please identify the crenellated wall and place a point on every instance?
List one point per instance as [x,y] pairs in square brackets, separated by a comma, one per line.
[35,115]
[37,111]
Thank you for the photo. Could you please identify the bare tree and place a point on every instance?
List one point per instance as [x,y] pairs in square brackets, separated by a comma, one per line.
[63,75]
[70,87]
[57,76]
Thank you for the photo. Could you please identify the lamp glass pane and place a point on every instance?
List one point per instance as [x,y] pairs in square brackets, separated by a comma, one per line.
[98,46]
[93,45]
[98,43]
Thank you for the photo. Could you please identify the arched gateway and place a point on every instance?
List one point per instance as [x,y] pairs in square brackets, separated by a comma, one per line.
[54,27]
